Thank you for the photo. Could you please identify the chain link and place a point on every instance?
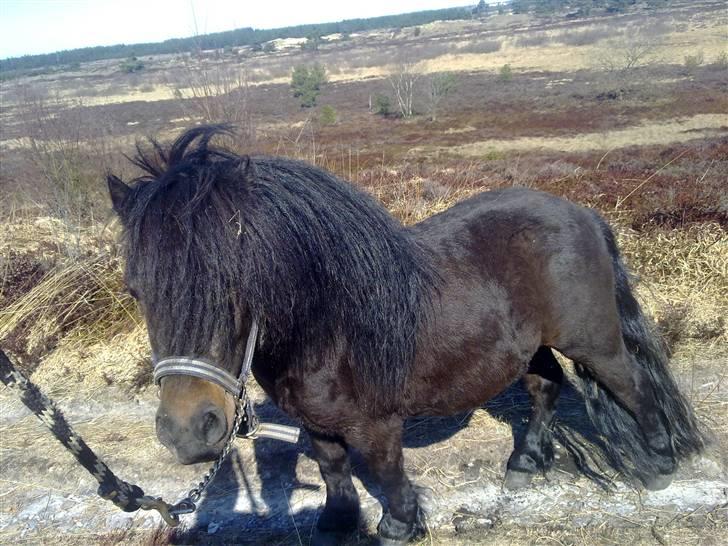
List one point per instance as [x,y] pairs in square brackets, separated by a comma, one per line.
[194,494]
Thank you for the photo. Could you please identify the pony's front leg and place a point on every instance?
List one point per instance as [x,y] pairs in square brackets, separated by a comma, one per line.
[381,444]
[341,512]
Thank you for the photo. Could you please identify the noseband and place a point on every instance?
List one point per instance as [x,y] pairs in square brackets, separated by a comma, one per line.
[202,369]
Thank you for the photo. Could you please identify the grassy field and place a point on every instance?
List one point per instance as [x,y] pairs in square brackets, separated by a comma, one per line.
[624,113]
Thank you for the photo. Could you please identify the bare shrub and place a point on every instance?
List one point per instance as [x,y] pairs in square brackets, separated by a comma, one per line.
[216,94]
[403,80]
[69,151]
[623,60]
[626,55]
[721,62]
[439,86]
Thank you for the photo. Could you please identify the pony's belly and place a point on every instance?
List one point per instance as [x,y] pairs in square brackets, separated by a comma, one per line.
[460,388]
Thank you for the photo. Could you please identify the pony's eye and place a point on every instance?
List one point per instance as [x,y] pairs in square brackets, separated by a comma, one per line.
[133,293]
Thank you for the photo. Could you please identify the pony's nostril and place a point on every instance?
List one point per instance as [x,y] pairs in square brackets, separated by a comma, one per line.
[163,430]
[213,426]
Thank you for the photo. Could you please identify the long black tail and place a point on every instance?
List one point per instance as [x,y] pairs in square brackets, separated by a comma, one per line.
[625,444]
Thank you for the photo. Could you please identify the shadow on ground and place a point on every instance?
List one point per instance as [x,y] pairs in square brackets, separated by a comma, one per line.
[270,520]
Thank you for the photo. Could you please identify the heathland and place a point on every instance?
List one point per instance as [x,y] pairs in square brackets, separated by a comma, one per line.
[624,112]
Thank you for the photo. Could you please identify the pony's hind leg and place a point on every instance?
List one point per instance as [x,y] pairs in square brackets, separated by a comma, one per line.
[534,453]
[341,512]
[638,439]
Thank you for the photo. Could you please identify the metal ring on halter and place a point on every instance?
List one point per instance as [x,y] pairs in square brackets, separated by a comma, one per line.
[202,369]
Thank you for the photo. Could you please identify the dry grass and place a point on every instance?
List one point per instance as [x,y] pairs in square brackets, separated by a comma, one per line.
[78,301]
[684,276]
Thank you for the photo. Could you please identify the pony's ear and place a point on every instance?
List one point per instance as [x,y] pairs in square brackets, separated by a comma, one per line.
[246,168]
[119,193]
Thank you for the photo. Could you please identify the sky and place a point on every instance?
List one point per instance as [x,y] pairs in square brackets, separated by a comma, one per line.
[43,26]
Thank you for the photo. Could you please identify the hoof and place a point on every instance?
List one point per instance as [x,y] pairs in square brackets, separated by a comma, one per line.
[392,532]
[329,538]
[382,541]
[658,482]
[517,480]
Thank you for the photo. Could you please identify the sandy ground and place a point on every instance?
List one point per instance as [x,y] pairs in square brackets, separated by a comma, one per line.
[271,492]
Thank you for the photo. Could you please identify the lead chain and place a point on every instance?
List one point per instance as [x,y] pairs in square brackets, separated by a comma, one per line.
[195,493]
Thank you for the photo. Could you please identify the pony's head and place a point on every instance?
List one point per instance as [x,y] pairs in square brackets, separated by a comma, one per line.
[181,239]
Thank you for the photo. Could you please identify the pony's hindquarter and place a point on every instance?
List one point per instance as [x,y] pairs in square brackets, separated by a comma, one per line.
[661,428]
[530,270]
[629,391]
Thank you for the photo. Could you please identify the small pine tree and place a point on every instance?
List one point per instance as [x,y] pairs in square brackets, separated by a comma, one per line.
[328,115]
[505,74]
[306,83]
[312,43]
[382,105]
[132,64]
[440,86]
[481,9]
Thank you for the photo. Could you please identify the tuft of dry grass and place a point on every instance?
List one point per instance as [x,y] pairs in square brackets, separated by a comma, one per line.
[77,299]
[683,278]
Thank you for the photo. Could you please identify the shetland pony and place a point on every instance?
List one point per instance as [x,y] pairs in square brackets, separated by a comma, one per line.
[365,322]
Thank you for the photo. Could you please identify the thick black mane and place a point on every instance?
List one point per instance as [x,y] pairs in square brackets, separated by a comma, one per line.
[208,231]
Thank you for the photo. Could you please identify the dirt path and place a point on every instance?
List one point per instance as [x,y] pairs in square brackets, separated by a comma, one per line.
[271,492]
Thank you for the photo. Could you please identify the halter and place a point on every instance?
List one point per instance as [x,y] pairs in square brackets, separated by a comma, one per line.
[246,422]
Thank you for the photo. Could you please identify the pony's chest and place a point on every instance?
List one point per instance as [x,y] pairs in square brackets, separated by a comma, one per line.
[321,397]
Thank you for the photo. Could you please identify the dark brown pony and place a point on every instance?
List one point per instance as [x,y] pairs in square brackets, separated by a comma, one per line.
[365,322]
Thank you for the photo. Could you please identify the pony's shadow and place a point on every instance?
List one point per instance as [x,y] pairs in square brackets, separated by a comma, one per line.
[267,517]
[512,406]
[269,521]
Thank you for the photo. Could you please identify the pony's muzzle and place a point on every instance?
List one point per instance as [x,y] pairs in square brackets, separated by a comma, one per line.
[199,439]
